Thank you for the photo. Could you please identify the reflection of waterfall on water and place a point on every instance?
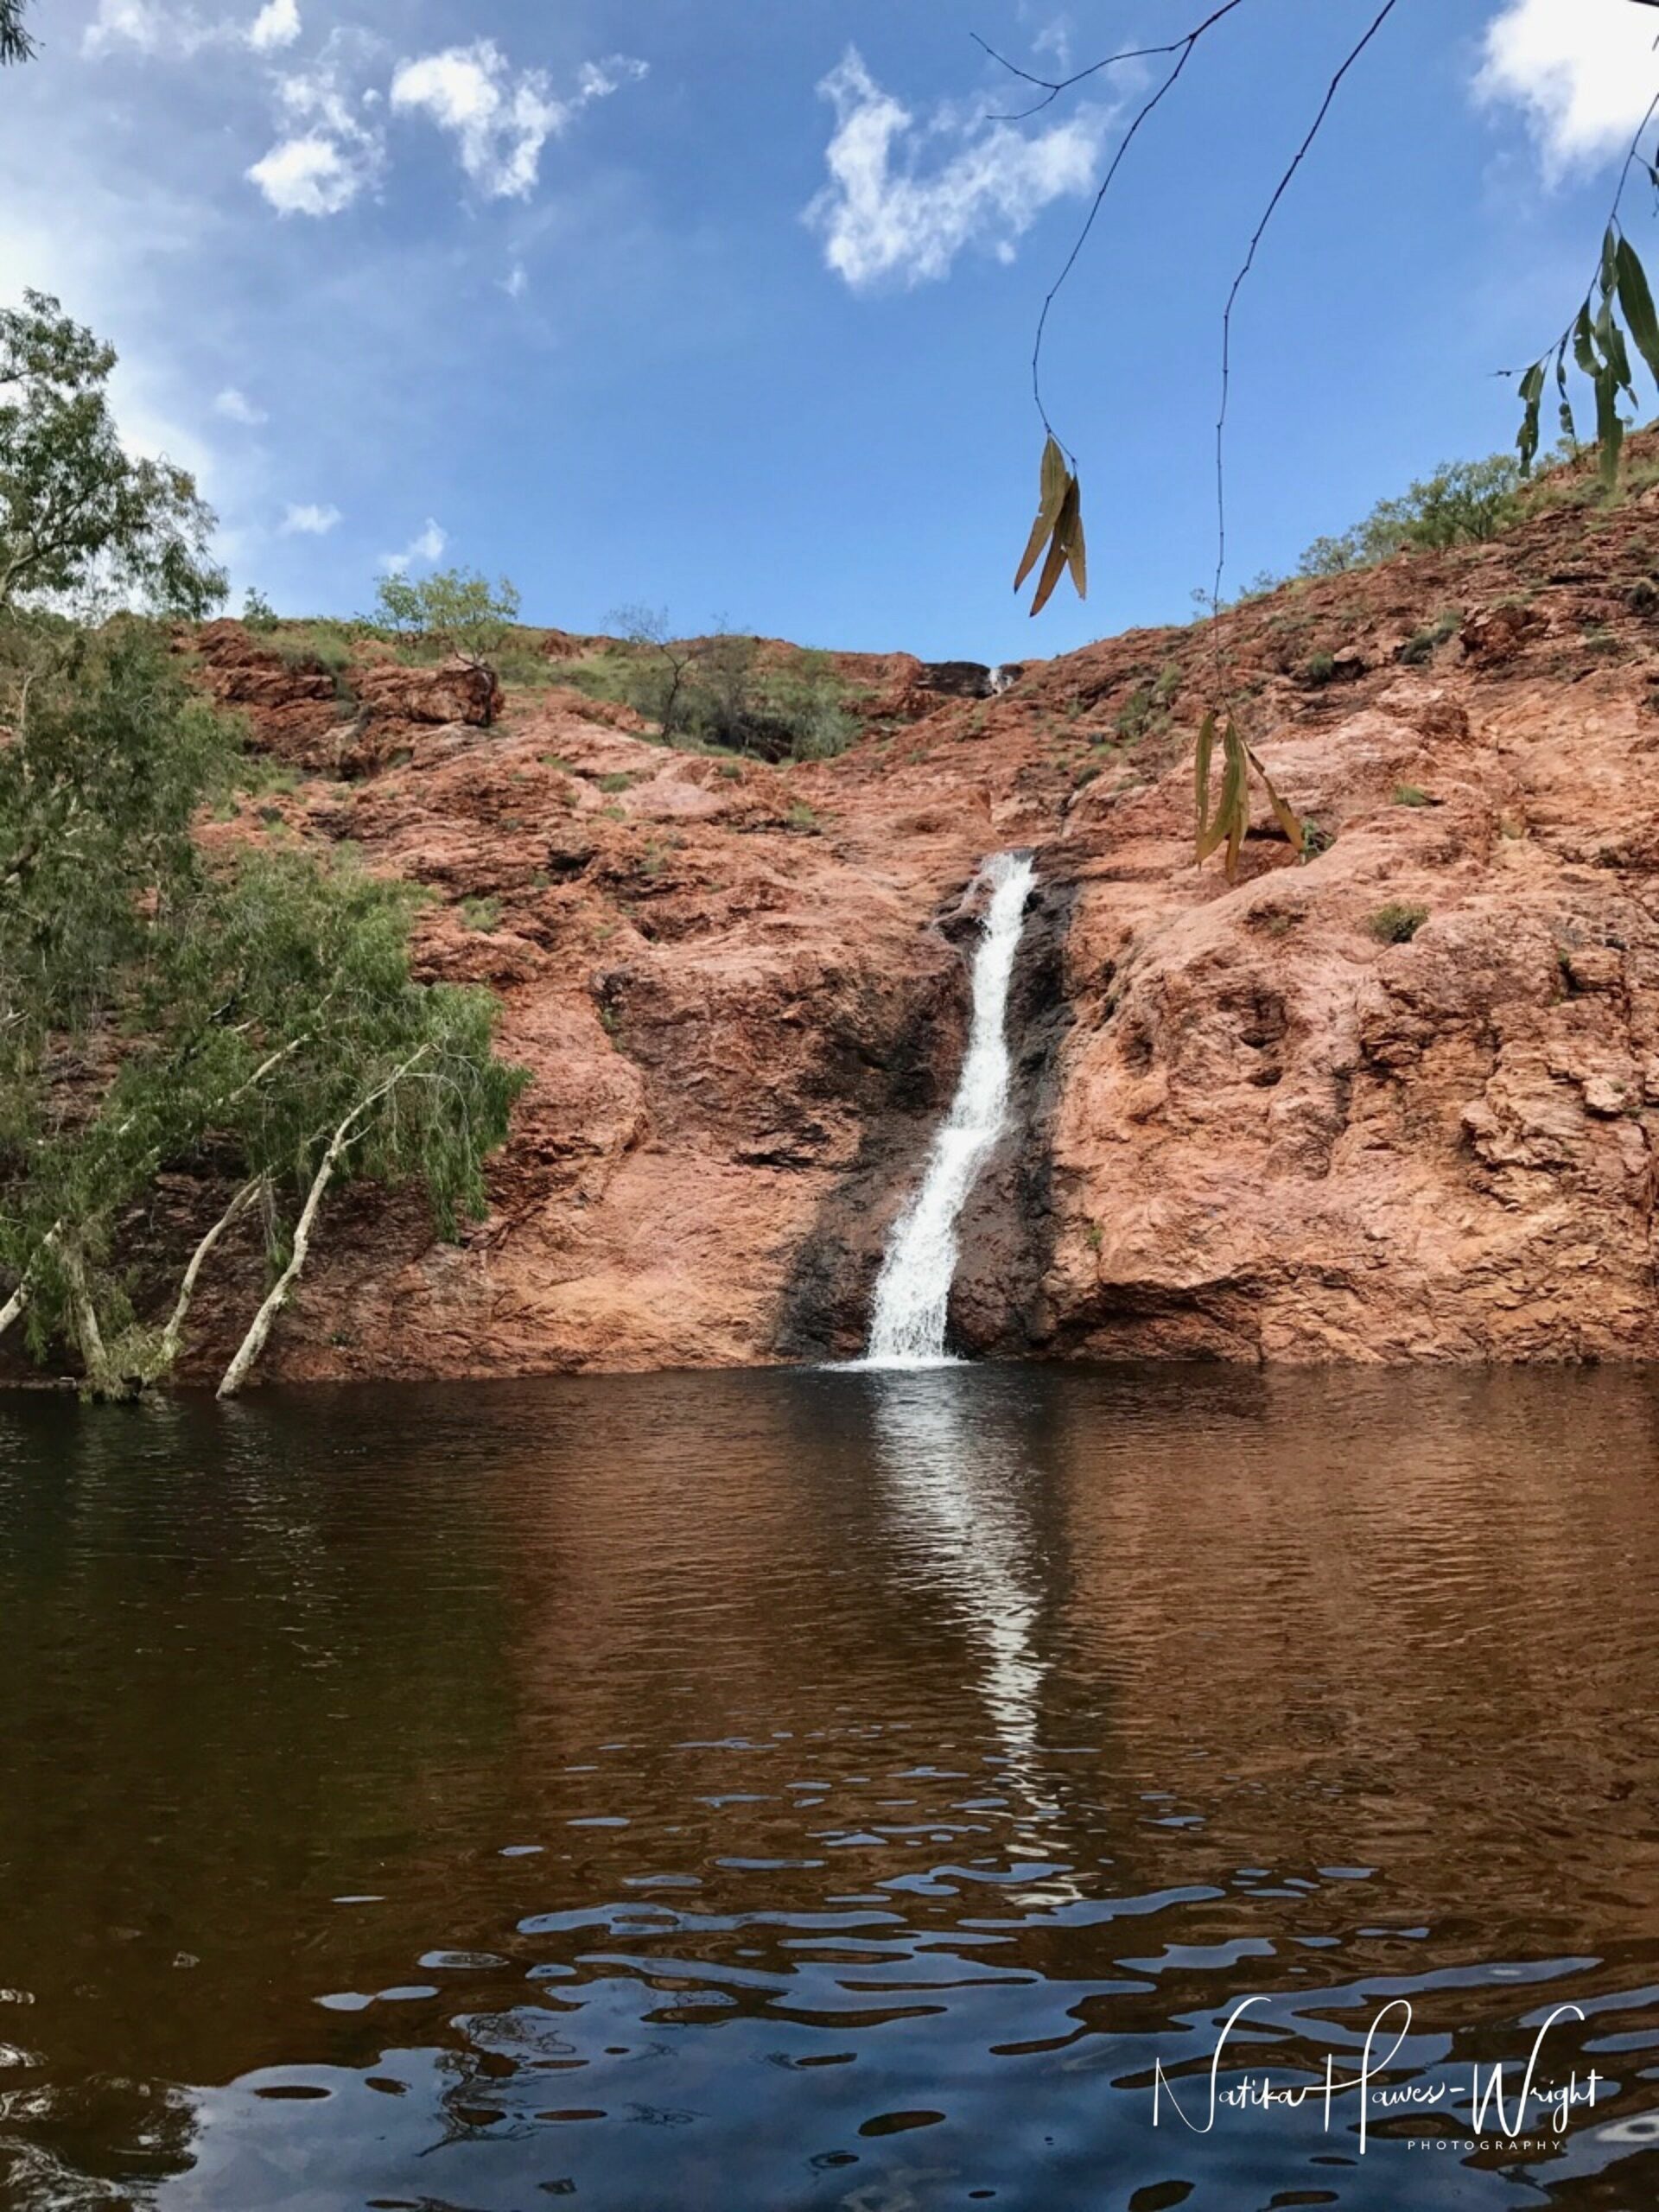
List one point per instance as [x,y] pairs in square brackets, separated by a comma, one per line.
[950,1478]
[913,1288]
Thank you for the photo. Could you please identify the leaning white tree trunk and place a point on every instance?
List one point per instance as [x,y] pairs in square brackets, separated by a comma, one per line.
[102,1377]
[254,1343]
[167,1346]
[17,1304]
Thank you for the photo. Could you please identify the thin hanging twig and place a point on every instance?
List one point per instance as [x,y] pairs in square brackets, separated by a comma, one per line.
[1182,48]
[1248,265]
[1053,87]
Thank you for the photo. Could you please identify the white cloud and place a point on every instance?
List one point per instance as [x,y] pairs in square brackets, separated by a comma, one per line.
[499,122]
[516,282]
[427,546]
[277,24]
[1583,75]
[330,154]
[883,215]
[154,29]
[310,175]
[151,28]
[310,521]
[1053,41]
[236,406]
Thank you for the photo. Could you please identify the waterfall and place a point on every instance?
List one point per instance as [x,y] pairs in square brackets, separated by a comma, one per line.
[912,1292]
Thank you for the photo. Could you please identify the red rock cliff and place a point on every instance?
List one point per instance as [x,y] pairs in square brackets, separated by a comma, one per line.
[1252,1124]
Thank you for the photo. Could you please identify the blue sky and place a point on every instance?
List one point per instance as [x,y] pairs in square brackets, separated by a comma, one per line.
[725,307]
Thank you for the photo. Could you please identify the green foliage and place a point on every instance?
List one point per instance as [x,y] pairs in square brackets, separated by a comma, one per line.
[1396,923]
[109,757]
[77,513]
[1135,717]
[1463,503]
[257,613]
[313,647]
[1322,670]
[455,610]
[483,914]
[160,1012]
[721,693]
[15,44]
[1600,344]
[1423,645]
[1411,795]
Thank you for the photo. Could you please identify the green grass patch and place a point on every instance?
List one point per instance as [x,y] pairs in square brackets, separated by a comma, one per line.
[1398,923]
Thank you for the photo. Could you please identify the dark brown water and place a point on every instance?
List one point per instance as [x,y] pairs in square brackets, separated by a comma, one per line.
[771,1791]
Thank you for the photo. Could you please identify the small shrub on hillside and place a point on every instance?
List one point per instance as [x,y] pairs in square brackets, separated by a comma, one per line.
[1464,503]
[483,914]
[257,613]
[452,612]
[1322,670]
[1398,923]
[719,694]
[1136,716]
[1411,795]
[1427,642]
[307,649]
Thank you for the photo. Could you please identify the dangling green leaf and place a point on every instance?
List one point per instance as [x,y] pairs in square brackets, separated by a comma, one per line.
[1288,821]
[1059,551]
[1636,299]
[1232,816]
[1053,480]
[1059,527]
[1611,338]
[1610,425]
[1201,778]
[1569,428]
[1584,349]
[1532,392]
[1076,554]
[1236,799]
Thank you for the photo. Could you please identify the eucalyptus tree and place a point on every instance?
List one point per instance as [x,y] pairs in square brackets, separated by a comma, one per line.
[80,516]
[190,1037]
[15,44]
[245,1028]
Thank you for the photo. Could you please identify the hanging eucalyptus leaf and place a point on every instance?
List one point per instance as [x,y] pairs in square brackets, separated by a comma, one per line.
[1060,527]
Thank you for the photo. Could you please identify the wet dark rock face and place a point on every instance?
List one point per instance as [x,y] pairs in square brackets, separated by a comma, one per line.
[826,1308]
[997,1304]
[955,679]
[1006,1231]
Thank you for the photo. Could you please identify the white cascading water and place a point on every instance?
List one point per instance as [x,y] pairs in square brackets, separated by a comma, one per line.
[913,1288]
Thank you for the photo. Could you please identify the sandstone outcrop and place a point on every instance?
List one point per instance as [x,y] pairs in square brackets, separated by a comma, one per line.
[1396,1101]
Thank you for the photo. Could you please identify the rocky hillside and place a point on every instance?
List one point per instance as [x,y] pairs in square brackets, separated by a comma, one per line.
[1397,1101]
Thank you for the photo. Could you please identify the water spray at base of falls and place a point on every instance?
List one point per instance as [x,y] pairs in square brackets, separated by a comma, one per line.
[913,1288]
